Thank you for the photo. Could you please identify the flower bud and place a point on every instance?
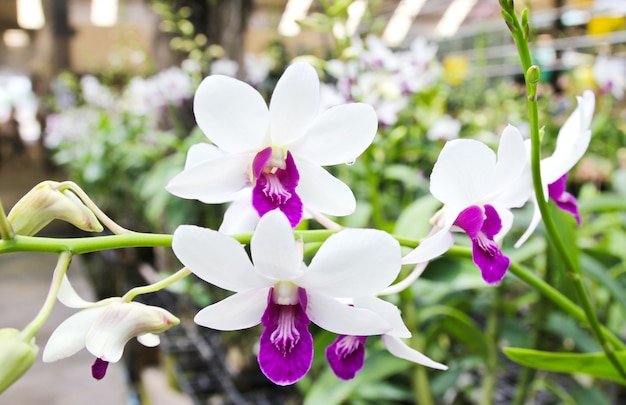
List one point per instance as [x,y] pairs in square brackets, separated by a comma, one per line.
[45,203]
[16,356]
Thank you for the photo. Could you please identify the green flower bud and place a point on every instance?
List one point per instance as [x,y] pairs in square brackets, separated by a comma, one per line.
[46,202]
[16,356]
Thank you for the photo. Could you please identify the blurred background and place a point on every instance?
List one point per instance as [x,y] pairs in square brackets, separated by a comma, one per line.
[100,92]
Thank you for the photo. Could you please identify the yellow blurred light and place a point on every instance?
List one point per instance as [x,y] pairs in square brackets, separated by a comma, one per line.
[604,24]
[455,68]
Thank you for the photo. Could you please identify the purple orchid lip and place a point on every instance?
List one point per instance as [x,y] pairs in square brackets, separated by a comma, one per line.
[564,200]
[99,368]
[346,356]
[286,345]
[275,187]
[482,227]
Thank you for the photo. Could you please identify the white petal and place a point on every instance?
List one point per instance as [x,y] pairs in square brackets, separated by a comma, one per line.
[399,349]
[69,297]
[532,225]
[461,176]
[322,192]
[149,339]
[122,321]
[240,311]
[69,337]
[202,152]
[339,135]
[216,258]
[213,181]
[512,159]
[232,114]
[294,103]
[273,247]
[430,248]
[240,217]
[352,263]
[337,317]
[387,311]
[572,141]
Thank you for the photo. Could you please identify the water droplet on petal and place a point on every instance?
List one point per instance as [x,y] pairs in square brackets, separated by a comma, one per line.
[350,162]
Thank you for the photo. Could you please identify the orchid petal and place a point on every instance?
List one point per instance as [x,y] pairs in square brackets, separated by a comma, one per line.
[322,192]
[239,311]
[201,152]
[399,349]
[354,262]
[512,160]
[462,174]
[346,356]
[339,135]
[294,103]
[69,337]
[232,114]
[430,247]
[121,321]
[240,217]
[572,141]
[286,345]
[213,181]
[273,247]
[149,339]
[532,225]
[216,258]
[471,220]
[388,311]
[337,317]
[69,297]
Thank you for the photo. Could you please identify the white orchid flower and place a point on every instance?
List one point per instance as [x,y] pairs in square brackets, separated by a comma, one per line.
[277,151]
[280,292]
[104,327]
[478,190]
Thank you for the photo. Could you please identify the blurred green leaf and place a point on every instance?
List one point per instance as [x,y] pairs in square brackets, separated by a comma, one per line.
[594,364]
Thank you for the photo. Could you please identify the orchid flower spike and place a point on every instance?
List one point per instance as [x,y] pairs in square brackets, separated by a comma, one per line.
[478,189]
[346,355]
[277,151]
[277,289]
[571,144]
[104,327]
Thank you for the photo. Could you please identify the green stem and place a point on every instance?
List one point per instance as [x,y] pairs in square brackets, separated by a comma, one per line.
[547,290]
[492,332]
[572,267]
[159,285]
[31,329]
[421,387]
[6,230]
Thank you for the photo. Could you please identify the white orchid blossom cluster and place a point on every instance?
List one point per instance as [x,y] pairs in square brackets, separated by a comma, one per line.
[381,77]
[270,162]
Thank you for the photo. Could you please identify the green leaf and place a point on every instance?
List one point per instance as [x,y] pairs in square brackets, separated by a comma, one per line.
[414,221]
[594,364]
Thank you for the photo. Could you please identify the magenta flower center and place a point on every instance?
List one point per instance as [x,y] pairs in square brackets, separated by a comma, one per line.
[286,335]
[275,177]
[347,345]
